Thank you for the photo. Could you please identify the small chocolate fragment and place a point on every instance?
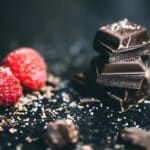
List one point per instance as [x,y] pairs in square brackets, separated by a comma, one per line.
[137,136]
[121,36]
[61,133]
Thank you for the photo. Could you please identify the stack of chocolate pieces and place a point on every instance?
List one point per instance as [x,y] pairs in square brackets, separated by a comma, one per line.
[125,45]
[121,66]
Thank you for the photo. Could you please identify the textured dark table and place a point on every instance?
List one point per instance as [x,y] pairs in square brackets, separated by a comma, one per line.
[63,32]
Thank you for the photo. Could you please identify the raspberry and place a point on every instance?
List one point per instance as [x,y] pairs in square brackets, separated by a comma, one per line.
[10,87]
[28,66]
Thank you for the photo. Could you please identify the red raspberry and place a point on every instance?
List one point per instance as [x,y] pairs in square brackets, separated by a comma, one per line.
[10,87]
[28,66]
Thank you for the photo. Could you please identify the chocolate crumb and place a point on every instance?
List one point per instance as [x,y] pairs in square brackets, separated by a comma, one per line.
[1,129]
[19,147]
[28,139]
[52,80]
[12,130]
[89,100]
[86,147]
[61,132]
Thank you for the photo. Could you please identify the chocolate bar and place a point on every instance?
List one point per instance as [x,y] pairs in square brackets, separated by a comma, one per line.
[122,81]
[121,36]
[124,67]
[127,73]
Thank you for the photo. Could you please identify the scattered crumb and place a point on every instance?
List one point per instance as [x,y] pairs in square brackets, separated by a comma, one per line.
[1,129]
[86,147]
[19,147]
[12,130]
[28,139]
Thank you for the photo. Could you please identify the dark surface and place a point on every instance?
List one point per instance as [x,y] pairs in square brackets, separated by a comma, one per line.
[99,124]
[63,32]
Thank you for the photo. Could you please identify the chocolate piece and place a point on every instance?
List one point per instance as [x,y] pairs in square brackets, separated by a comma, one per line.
[121,36]
[128,73]
[61,133]
[141,51]
[124,99]
[137,136]
[122,81]
[129,65]
[119,99]
[118,68]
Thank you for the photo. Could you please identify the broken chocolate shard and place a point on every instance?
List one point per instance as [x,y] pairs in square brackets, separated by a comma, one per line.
[120,36]
[137,136]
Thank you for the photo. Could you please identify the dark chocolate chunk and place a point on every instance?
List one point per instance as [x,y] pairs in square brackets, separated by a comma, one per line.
[124,99]
[126,68]
[122,81]
[61,133]
[137,136]
[127,73]
[121,36]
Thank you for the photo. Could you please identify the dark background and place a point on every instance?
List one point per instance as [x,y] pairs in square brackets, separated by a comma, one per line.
[63,30]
